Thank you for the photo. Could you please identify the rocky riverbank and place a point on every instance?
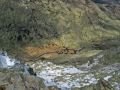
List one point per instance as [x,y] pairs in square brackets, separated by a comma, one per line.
[15,75]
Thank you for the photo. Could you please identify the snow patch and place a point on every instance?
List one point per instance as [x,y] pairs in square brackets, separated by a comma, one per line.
[64,77]
[5,61]
[107,78]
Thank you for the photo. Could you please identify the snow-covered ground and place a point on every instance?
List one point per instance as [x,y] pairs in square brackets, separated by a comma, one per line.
[5,61]
[64,76]
[67,77]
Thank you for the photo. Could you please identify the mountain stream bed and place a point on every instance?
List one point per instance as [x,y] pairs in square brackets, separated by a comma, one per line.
[68,77]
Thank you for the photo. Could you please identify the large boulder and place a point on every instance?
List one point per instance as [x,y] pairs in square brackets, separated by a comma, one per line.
[11,80]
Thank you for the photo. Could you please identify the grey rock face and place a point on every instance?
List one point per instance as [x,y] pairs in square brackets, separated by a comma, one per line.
[19,81]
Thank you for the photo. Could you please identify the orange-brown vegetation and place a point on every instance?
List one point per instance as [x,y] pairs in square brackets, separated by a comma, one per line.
[67,51]
[49,49]
[46,51]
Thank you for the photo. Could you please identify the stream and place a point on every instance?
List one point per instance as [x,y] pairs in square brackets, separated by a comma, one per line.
[67,77]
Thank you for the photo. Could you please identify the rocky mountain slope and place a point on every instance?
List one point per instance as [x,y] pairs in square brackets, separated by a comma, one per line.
[68,43]
[71,23]
[31,28]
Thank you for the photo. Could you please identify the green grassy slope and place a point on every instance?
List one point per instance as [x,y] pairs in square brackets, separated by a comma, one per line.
[67,23]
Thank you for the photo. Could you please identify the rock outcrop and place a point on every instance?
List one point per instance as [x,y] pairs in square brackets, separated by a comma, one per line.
[11,80]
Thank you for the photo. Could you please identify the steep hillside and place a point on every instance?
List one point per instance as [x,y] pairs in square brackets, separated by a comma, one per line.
[66,23]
